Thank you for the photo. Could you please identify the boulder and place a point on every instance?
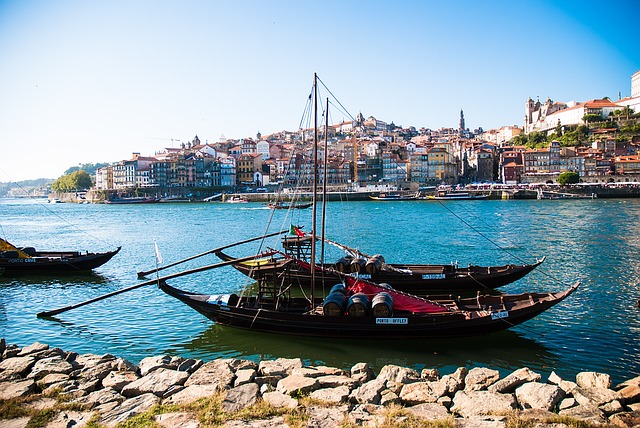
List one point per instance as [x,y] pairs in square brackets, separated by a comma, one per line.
[280,367]
[514,380]
[9,390]
[480,378]
[105,395]
[326,417]
[334,381]
[66,419]
[32,349]
[191,393]
[369,393]
[567,386]
[431,375]
[240,397]
[594,397]
[18,365]
[157,382]
[51,379]
[429,411]
[46,366]
[278,399]
[317,371]
[149,364]
[535,395]
[585,413]
[177,420]
[474,403]
[189,365]
[128,409]
[244,376]
[295,385]
[388,397]
[393,373]
[593,380]
[217,372]
[362,373]
[422,392]
[630,390]
[118,380]
[335,395]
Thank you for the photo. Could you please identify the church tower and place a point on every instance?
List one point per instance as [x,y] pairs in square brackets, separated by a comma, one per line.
[462,126]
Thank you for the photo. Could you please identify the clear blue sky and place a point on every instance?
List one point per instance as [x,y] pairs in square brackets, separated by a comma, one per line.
[93,81]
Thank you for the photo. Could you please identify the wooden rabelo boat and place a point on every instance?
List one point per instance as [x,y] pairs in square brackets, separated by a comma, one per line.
[411,278]
[366,310]
[27,260]
[286,206]
[358,308]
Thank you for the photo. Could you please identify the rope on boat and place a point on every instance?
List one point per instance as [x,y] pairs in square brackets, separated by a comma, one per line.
[542,271]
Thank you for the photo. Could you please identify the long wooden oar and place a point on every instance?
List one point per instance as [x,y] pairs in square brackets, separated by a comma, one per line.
[142,284]
[215,250]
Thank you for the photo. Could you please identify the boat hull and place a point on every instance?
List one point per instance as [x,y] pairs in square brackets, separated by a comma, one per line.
[423,279]
[56,262]
[483,319]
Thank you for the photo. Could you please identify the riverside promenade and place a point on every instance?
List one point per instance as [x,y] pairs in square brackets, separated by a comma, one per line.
[49,387]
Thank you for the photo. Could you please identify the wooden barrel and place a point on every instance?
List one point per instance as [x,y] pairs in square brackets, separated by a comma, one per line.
[382,305]
[343,264]
[358,305]
[357,265]
[333,305]
[338,288]
[374,264]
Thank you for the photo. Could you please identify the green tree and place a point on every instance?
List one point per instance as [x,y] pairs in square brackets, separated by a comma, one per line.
[568,178]
[70,182]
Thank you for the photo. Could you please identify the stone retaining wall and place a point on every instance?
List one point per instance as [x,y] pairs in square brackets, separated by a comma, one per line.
[111,390]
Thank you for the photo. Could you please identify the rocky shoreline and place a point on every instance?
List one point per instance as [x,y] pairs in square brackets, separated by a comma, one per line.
[49,387]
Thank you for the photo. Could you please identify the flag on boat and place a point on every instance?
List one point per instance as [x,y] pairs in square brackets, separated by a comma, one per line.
[158,255]
[296,231]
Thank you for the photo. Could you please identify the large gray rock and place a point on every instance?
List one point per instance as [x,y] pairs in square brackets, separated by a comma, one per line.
[280,367]
[335,395]
[240,397]
[589,414]
[594,397]
[244,376]
[51,379]
[278,399]
[593,380]
[18,365]
[217,372]
[397,374]
[118,380]
[567,386]
[362,373]
[317,371]
[128,409]
[177,420]
[474,403]
[49,365]
[514,380]
[67,419]
[157,382]
[33,348]
[334,381]
[9,390]
[423,392]
[191,393]
[429,411]
[105,395]
[149,364]
[480,378]
[326,417]
[630,390]
[297,385]
[535,395]
[369,393]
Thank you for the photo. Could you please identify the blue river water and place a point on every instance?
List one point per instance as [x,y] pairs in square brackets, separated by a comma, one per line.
[596,242]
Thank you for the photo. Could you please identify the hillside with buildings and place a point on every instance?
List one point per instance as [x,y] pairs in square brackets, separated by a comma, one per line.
[372,151]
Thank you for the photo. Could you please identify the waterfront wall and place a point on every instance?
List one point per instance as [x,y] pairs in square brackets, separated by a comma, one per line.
[66,389]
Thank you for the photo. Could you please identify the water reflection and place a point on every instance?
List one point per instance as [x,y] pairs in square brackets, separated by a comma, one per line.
[503,351]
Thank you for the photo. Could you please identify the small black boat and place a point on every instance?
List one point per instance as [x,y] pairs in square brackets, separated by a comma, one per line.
[27,260]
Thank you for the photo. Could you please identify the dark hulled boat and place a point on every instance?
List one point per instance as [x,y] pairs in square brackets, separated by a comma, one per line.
[296,316]
[28,261]
[411,278]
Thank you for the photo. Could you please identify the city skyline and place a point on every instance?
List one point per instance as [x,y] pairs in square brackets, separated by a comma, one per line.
[87,82]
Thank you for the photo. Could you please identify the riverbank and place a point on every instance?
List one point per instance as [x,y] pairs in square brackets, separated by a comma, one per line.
[43,386]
